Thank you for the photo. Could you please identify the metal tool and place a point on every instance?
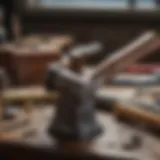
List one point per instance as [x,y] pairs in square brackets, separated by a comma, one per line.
[75,116]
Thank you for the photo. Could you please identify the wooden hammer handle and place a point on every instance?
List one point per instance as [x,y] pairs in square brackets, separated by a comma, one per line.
[139,48]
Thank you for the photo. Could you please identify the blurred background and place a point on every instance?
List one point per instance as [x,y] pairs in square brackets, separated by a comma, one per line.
[113,22]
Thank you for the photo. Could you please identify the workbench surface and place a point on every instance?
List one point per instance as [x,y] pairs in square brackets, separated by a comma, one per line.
[37,143]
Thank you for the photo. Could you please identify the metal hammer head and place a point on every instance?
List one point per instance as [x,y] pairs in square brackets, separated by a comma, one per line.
[84,51]
[77,56]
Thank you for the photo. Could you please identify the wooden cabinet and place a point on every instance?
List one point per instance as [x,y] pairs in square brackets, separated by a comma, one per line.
[26,60]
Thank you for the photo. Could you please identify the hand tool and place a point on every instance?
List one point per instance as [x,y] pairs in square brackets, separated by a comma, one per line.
[75,116]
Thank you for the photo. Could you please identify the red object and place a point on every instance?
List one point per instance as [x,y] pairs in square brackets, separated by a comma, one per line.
[143,68]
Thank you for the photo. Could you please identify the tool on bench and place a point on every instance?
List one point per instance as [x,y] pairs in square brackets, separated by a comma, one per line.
[75,116]
[35,94]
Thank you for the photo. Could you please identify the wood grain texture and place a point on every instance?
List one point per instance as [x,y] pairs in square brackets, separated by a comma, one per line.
[33,93]
[109,143]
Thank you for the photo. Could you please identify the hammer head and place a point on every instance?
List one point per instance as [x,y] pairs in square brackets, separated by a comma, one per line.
[80,54]
[85,51]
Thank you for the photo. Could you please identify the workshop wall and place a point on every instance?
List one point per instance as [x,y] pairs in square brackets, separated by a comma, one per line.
[113,34]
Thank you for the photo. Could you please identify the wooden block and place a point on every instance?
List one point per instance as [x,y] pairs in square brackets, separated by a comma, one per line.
[28,94]
[138,113]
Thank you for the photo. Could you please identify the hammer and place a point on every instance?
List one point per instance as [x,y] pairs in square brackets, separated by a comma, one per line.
[75,116]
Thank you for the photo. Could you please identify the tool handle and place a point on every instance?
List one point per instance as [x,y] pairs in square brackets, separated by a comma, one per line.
[146,44]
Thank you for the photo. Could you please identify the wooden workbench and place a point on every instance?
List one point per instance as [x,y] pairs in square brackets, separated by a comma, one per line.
[39,145]
[34,141]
